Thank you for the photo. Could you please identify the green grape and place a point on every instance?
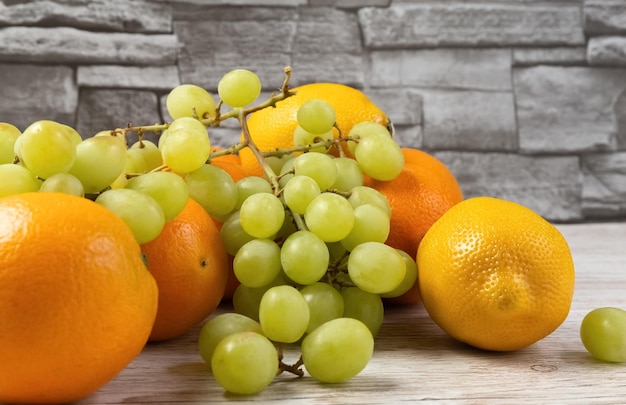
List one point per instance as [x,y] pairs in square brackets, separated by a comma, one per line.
[189,100]
[304,257]
[257,263]
[363,130]
[244,363]
[16,179]
[232,234]
[47,148]
[318,166]
[239,87]
[316,116]
[379,157]
[360,195]
[99,162]
[213,188]
[299,191]
[349,174]
[63,183]
[8,135]
[144,156]
[409,279]
[249,185]
[366,307]
[286,171]
[283,314]
[141,213]
[185,149]
[603,333]
[329,216]
[167,189]
[73,134]
[303,137]
[325,304]
[371,224]
[376,268]
[220,326]
[262,215]
[337,350]
[276,163]
[120,136]
[246,300]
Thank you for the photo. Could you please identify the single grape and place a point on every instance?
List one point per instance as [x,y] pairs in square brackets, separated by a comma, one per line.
[603,333]
[244,363]
[185,150]
[286,171]
[249,185]
[325,304]
[349,174]
[63,183]
[379,157]
[366,307]
[283,314]
[299,191]
[144,156]
[47,148]
[99,162]
[318,166]
[138,210]
[257,262]
[371,224]
[232,234]
[364,129]
[316,116]
[262,215]
[302,137]
[120,136]
[360,195]
[189,100]
[410,277]
[168,189]
[213,188]
[337,350]
[8,135]
[304,257]
[246,300]
[376,268]
[329,216]
[276,163]
[17,179]
[220,326]
[239,87]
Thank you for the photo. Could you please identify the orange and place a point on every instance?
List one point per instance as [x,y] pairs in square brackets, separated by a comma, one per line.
[77,303]
[190,266]
[496,275]
[272,128]
[424,190]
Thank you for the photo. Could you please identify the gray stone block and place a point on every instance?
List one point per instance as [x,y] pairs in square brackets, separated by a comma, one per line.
[604,185]
[469,120]
[568,109]
[97,15]
[139,77]
[32,93]
[469,24]
[483,69]
[101,110]
[327,67]
[604,16]
[549,185]
[563,56]
[323,30]
[607,51]
[403,106]
[409,136]
[70,45]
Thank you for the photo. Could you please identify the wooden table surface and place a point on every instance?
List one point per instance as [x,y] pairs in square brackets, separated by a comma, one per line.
[414,361]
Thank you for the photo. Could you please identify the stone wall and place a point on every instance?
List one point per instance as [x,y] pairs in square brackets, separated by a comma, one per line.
[524,100]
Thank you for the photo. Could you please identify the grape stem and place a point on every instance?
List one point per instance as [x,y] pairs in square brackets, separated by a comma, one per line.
[295,368]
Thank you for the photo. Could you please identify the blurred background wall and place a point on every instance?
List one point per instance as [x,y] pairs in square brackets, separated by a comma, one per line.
[523,100]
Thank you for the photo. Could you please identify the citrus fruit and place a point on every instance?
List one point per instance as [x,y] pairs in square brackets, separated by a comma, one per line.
[494,274]
[190,266]
[422,192]
[77,302]
[273,128]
